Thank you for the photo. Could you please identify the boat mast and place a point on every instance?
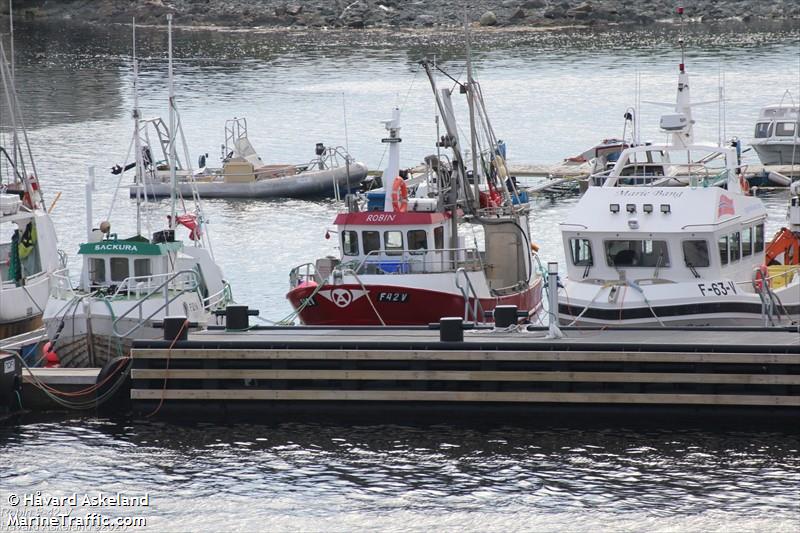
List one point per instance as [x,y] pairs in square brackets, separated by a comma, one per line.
[471,104]
[14,138]
[172,133]
[138,179]
[683,103]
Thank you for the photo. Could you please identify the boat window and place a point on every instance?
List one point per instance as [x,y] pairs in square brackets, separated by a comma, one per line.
[723,250]
[438,238]
[763,130]
[372,241]
[119,268]
[97,270]
[759,239]
[349,242]
[141,267]
[735,243]
[393,242]
[747,242]
[695,254]
[581,252]
[417,239]
[637,253]
[784,129]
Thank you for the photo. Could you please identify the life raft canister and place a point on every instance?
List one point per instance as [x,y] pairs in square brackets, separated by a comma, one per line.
[399,195]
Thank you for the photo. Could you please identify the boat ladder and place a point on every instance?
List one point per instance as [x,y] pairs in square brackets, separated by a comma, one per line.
[468,289]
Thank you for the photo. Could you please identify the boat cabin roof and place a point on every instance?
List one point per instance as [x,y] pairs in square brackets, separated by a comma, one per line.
[778,111]
[132,246]
[649,210]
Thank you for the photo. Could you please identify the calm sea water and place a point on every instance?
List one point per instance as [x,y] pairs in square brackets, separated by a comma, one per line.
[550,95]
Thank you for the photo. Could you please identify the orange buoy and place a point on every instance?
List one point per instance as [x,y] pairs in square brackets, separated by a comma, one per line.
[399,195]
[50,356]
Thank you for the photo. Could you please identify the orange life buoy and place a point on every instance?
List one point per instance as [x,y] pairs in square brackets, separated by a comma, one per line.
[399,195]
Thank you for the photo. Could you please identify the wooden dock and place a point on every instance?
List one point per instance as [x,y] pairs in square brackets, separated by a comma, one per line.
[319,368]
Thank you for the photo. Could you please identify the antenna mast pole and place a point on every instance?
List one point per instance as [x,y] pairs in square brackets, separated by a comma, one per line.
[471,102]
[137,145]
[172,133]
[14,138]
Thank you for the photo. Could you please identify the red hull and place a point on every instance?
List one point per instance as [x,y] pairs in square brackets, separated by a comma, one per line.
[348,305]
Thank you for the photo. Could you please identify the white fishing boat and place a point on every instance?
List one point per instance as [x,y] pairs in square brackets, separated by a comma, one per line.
[405,259]
[777,134]
[28,247]
[129,284]
[332,172]
[654,255]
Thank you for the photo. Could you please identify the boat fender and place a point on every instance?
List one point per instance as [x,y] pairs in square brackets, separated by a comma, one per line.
[399,195]
[744,184]
[761,275]
[50,356]
[534,247]
[201,161]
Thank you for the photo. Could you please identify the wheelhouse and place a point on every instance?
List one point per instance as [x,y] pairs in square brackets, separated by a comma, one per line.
[377,242]
[664,235]
[126,264]
[778,121]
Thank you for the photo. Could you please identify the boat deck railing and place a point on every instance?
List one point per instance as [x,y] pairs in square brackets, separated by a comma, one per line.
[423,261]
[142,286]
[173,286]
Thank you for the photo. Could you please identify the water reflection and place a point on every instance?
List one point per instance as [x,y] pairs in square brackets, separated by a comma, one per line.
[308,473]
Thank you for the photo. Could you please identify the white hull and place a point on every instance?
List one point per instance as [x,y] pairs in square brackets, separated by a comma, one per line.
[693,303]
[93,331]
[778,153]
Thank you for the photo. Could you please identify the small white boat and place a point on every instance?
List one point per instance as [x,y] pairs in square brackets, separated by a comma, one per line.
[777,134]
[29,254]
[333,172]
[654,255]
[128,284]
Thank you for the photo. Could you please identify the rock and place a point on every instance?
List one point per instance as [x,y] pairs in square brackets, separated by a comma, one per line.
[508,4]
[294,10]
[489,19]
[425,20]
[517,15]
[555,13]
[580,11]
[533,4]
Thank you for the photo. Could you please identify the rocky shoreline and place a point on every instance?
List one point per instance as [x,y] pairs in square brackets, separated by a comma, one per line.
[401,14]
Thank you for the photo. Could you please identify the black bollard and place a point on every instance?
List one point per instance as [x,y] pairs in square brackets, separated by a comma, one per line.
[236,317]
[173,327]
[505,316]
[451,329]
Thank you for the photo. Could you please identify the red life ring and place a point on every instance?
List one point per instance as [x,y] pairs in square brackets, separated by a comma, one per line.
[399,195]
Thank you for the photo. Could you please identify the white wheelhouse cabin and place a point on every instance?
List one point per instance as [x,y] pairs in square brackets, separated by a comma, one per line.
[776,139]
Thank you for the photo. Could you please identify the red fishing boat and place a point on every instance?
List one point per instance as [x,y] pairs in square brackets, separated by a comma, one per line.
[404,255]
